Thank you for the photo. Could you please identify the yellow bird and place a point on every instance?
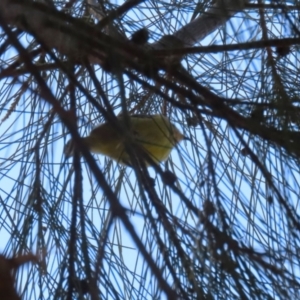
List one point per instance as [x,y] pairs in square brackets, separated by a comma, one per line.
[153,134]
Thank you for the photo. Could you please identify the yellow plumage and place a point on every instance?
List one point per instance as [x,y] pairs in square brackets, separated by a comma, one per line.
[153,134]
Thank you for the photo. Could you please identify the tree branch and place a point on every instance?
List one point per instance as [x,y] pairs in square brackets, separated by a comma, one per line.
[58,30]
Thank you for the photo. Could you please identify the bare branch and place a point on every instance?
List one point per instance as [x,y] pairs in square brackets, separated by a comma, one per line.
[212,19]
[57,31]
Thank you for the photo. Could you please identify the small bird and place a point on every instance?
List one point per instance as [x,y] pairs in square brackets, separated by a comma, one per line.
[154,135]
